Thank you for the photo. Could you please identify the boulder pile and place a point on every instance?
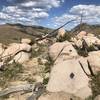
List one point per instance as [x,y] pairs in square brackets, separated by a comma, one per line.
[89,38]
[70,73]
[67,74]
[18,52]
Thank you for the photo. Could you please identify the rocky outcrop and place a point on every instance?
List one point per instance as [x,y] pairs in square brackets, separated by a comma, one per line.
[67,74]
[81,35]
[28,41]
[69,77]
[58,96]
[62,51]
[18,52]
[15,48]
[61,33]
[90,39]
[21,57]
[98,97]
[94,59]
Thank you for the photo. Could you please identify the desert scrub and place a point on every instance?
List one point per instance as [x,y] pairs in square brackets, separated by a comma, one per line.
[30,80]
[45,81]
[40,49]
[95,85]
[48,66]
[4,97]
[10,73]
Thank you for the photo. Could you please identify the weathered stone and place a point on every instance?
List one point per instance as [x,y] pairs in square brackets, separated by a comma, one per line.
[14,48]
[22,57]
[78,43]
[58,96]
[12,98]
[28,41]
[65,49]
[61,32]
[94,60]
[97,98]
[81,34]
[90,40]
[69,77]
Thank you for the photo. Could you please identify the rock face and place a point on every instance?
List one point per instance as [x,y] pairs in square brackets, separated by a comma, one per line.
[98,97]
[89,38]
[69,77]
[15,48]
[59,96]
[94,59]
[61,33]
[81,34]
[66,49]
[19,52]
[28,41]
[21,57]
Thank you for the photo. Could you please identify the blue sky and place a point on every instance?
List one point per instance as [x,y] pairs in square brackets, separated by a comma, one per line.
[49,13]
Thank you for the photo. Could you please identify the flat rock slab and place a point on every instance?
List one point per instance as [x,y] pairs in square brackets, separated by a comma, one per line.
[69,77]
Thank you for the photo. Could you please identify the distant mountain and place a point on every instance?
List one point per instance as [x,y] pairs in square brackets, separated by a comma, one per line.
[14,32]
[10,33]
[95,29]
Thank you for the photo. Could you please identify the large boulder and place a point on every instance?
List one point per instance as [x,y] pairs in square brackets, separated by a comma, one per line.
[61,32]
[26,40]
[81,35]
[78,43]
[97,97]
[90,40]
[14,48]
[62,50]
[21,57]
[69,77]
[58,96]
[94,60]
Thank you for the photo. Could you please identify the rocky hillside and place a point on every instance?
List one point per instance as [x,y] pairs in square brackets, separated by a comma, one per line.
[95,29]
[14,32]
[61,68]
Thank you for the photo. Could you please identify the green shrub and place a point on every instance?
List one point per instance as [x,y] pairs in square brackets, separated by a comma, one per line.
[11,72]
[45,80]
[66,37]
[40,50]
[95,85]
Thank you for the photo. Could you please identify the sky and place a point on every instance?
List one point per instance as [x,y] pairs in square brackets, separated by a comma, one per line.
[49,13]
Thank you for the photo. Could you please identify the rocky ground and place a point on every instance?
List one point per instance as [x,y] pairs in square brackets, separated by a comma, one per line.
[51,69]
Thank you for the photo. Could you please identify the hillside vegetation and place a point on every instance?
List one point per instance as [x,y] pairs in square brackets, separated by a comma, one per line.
[14,32]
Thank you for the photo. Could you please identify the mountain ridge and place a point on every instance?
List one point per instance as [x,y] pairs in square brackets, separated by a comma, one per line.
[10,33]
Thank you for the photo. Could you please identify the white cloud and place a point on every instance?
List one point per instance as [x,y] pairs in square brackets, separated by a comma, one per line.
[91,15]
[27,11]
[4,16]
[28,4]
[87,10]
[42,3]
